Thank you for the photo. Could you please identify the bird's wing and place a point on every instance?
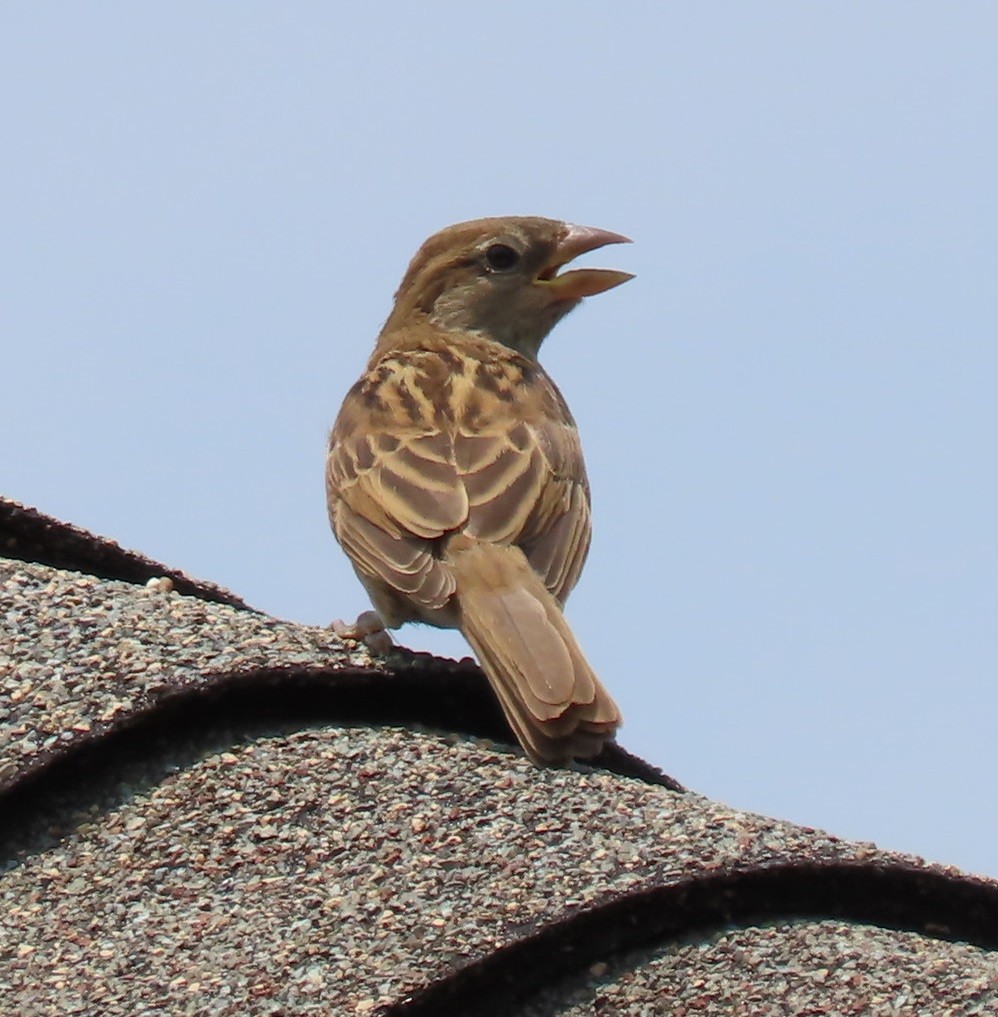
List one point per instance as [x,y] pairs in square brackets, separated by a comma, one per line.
[392,493]
[526,485]
[400,477]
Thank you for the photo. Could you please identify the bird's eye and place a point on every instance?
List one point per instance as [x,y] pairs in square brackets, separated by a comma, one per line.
[501,257]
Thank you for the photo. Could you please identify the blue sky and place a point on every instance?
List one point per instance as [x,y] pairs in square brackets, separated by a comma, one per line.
[789,415]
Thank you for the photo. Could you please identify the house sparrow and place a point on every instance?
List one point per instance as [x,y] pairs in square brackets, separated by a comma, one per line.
[455,480]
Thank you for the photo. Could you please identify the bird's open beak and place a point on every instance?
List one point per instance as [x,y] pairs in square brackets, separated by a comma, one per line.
[581,282]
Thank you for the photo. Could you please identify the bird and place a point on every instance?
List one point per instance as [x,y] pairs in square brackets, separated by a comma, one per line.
[455,478]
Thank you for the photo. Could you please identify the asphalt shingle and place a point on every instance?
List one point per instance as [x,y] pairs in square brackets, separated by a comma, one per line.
[209,811]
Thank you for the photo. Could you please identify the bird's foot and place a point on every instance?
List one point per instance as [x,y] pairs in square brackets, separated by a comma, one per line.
[368,629]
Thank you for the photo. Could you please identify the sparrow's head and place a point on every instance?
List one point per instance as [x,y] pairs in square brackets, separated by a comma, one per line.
[500,278]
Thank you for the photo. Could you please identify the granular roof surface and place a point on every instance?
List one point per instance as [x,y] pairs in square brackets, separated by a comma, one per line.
[205,810]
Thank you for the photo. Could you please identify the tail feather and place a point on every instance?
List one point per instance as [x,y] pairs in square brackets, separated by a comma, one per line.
[554,702]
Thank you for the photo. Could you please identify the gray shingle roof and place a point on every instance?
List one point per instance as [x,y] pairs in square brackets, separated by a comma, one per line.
[205,810]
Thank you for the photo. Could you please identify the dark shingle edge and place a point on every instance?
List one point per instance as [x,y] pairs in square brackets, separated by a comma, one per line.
[29,535]
[936,904]
[478,713]
[441,695]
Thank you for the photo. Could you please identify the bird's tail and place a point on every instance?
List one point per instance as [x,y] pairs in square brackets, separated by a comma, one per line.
[555,704]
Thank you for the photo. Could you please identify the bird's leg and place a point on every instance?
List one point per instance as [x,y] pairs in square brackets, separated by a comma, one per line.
[368,629]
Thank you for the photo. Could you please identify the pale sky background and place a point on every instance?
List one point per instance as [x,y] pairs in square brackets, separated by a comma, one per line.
[789,416]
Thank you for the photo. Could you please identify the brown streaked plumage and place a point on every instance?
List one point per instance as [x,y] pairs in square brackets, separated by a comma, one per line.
[455,479]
